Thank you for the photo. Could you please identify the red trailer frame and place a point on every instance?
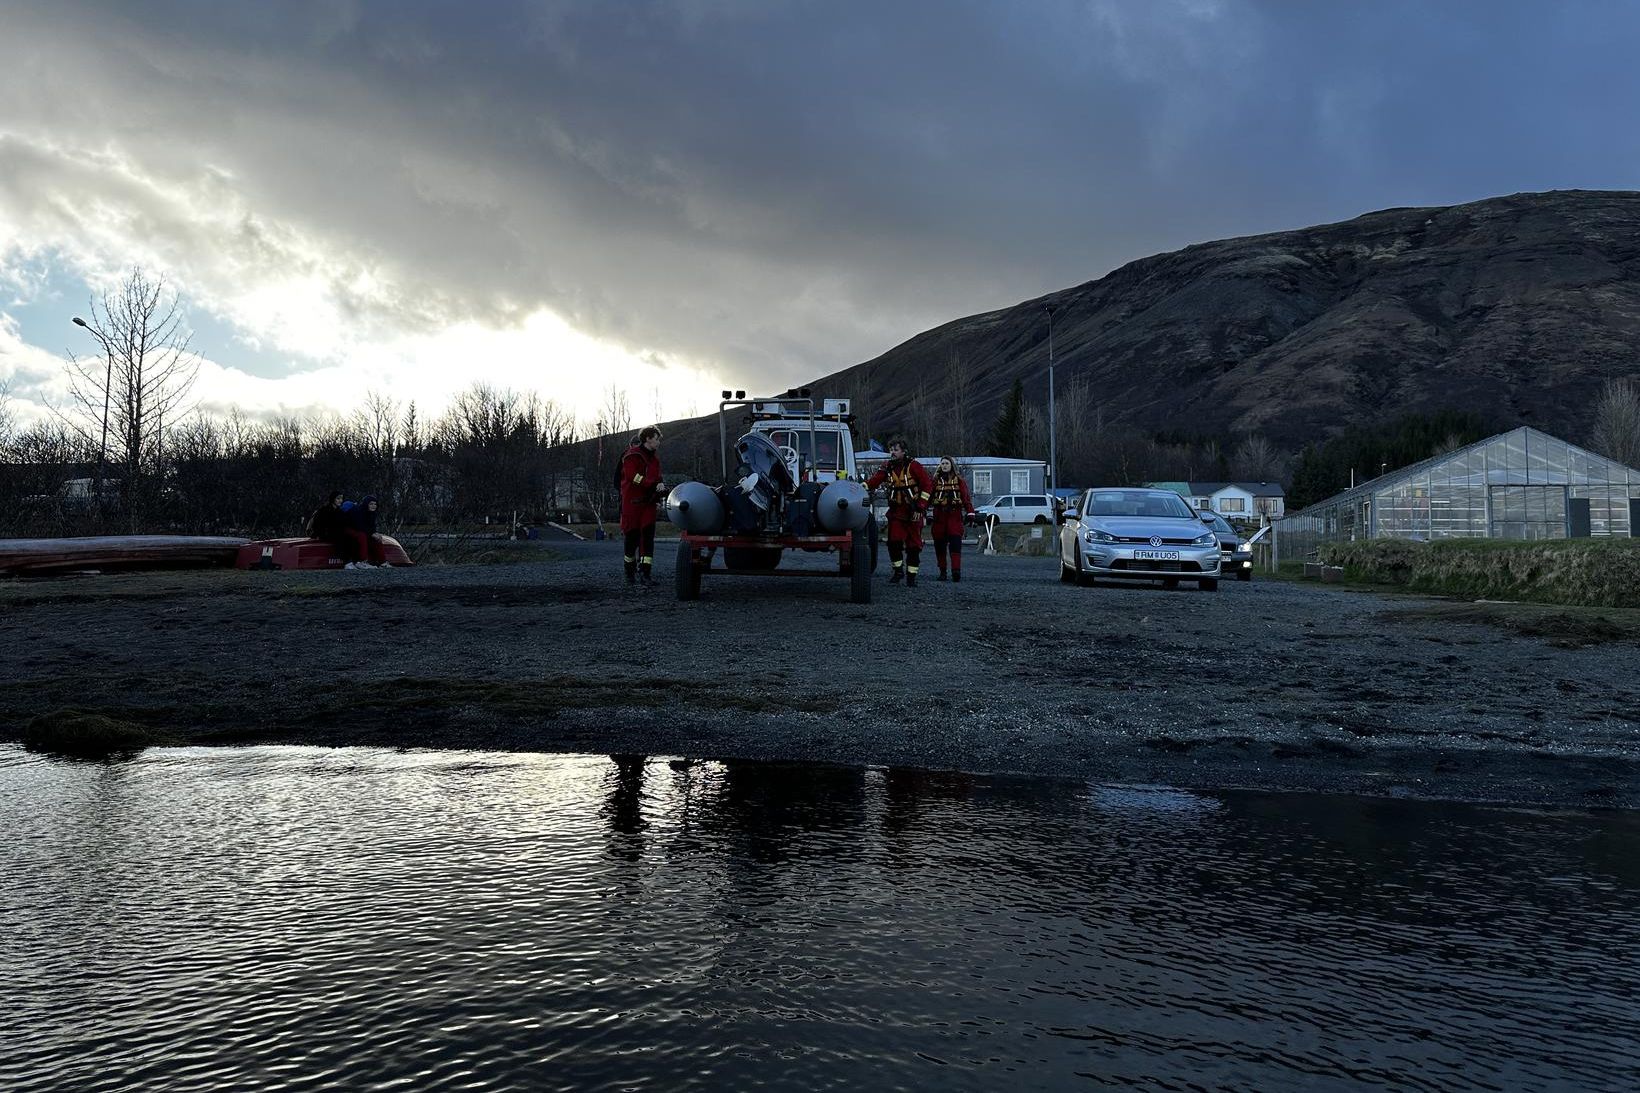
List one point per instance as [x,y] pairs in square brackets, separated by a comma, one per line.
[854,559]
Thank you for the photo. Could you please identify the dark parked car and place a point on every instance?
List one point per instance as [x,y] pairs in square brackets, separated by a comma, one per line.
[1238,552]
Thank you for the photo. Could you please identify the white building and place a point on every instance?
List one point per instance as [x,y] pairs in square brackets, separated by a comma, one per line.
[1251,502]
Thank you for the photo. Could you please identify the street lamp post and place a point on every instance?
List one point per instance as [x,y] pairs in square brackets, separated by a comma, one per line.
[1053,451]
[108,384]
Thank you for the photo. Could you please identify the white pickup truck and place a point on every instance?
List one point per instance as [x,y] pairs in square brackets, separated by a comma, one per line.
[822,449]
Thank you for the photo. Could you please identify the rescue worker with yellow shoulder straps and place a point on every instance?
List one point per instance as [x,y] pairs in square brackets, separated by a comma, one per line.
[908,489]
[951,504]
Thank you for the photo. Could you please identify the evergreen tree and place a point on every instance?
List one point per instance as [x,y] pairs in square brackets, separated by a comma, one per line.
[1372,450]
[1008,433]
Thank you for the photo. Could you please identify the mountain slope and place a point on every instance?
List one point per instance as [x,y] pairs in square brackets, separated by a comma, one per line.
[1516,307]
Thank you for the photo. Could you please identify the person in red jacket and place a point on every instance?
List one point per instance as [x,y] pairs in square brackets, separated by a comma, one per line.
[951,504]
[909,489]
[641,490]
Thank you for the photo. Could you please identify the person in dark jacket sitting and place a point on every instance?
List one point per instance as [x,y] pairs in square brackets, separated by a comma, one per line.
[362,528]
[329,523]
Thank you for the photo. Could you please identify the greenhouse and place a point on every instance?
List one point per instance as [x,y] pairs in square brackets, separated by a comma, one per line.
[1522,484]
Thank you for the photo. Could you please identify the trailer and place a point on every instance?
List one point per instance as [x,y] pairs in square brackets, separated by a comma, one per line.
[790,492]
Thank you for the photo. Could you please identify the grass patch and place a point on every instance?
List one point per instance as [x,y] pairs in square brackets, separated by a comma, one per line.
[1578,572]
[1565,627]
[85,735]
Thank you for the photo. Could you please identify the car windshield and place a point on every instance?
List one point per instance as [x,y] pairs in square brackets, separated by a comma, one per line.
[1217,523]
[1138,503]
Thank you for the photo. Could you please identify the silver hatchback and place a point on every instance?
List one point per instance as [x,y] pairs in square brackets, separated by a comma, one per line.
[1137,534]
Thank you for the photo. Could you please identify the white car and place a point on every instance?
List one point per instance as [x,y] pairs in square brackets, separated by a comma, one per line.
[1137,534]
[1019,508]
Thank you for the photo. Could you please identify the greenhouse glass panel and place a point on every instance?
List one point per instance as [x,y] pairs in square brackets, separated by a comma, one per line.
[1514,458]
[1529,512]
[1584,467]
[1449,513]
[1475,468]
[1537,463]
[1496,456]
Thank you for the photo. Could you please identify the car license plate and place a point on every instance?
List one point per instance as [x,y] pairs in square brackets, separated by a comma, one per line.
[1156,555]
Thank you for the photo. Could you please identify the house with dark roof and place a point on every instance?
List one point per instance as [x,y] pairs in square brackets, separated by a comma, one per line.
[1254,502]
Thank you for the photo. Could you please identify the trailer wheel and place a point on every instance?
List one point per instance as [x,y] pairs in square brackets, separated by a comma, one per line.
[687,573]
[871,537]
[859,578]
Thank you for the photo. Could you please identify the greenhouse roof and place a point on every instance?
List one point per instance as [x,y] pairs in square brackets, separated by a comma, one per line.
[1373,485]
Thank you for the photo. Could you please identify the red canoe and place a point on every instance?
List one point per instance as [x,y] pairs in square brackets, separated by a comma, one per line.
[44,557]
[307,554]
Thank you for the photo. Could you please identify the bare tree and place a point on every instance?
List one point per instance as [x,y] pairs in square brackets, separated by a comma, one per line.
[859,390]
[611,431]
[127,397]
[379,423]
[8,421]
[1255,460]
[1616,432]
[615,415]
[960,376]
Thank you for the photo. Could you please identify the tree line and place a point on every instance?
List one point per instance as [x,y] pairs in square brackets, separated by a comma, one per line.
[491,453]
[128,453]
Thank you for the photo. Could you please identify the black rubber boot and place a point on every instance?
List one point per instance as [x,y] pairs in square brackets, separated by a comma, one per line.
[899,575]
[956,575]
[942,574]
[911,580]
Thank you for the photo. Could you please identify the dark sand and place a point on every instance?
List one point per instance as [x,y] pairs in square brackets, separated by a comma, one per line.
[1268,685]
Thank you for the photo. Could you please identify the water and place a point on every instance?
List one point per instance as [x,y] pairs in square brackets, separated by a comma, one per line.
[296,919]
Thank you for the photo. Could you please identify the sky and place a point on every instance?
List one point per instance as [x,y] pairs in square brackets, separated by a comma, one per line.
[405,198]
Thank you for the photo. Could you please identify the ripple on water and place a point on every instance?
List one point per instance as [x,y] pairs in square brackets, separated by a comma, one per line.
[299,919]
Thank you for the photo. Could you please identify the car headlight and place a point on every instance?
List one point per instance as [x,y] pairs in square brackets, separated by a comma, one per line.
[1244,548]
[1097,536]
[1207,540]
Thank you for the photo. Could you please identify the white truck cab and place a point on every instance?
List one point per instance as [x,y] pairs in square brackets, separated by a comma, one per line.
[823,447]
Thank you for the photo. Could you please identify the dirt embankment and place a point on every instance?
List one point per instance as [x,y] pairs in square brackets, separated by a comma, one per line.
[1270,685]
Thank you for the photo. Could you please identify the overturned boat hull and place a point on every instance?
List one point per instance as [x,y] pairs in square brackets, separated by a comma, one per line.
[44,557]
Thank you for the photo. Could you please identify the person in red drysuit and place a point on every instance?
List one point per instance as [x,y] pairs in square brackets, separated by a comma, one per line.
[909,489]
[641,490]
[951,505]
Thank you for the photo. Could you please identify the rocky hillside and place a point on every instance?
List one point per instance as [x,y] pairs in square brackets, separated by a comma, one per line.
[1517,308]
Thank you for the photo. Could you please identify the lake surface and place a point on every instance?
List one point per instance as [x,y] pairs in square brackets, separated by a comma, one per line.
[303,919]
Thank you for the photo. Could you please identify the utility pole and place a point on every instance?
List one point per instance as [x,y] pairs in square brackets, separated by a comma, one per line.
[108,383]
[1053,449]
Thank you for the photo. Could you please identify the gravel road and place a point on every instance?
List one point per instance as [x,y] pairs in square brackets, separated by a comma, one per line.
[1269,685]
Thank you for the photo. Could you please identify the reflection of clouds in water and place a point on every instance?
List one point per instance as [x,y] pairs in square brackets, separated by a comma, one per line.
[1163,799]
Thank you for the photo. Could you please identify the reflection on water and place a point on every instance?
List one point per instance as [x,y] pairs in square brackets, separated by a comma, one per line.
[292,919]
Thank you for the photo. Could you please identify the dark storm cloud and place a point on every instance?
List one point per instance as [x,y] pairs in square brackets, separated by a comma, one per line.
[788,188]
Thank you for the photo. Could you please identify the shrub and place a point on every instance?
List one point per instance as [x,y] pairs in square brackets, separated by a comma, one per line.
[1589,572]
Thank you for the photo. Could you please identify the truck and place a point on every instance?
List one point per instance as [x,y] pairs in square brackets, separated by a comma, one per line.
[792,487]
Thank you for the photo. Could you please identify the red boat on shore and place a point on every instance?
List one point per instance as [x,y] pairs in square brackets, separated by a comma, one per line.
[307,554]
[110,553]
[46,557]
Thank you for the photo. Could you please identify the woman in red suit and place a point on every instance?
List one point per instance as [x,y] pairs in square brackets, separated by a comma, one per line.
[951,504]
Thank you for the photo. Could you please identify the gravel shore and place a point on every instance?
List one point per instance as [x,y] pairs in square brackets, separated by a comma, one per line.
[1267,685]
